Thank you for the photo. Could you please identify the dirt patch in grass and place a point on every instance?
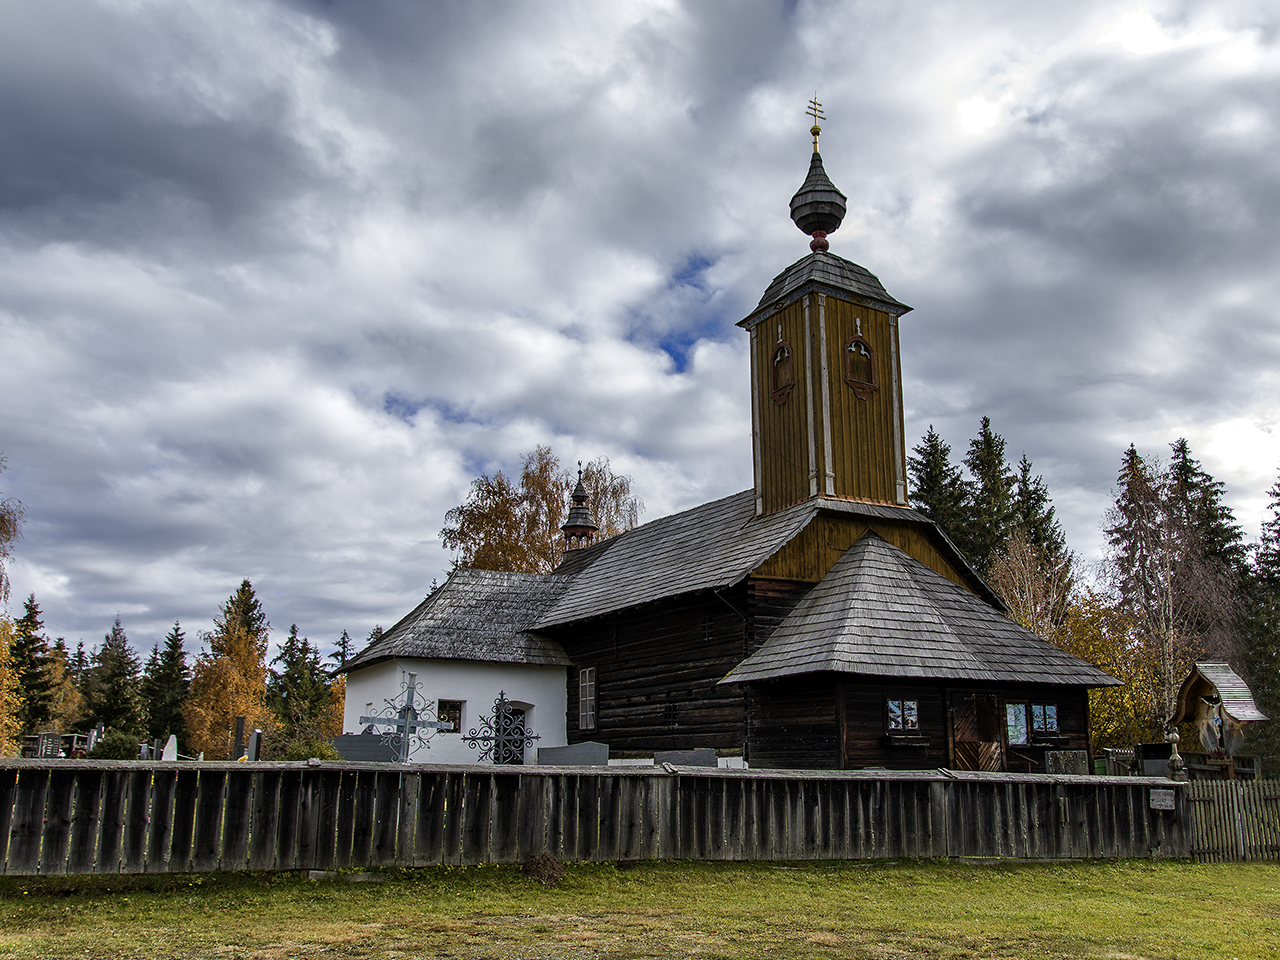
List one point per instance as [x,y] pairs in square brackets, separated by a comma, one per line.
[768,911]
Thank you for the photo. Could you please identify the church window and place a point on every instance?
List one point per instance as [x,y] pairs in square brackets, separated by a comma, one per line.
[586,698]
[450,711]
[1044,718]
[783,372]
[860,367]
[1016,722]
[903,716]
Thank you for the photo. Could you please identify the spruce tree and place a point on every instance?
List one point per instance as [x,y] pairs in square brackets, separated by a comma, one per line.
[1199,495]
[991,516]
[938,490]
[31,665]
[298,692]
[1261,629]
[1033,512]
[166,684]
[115,696]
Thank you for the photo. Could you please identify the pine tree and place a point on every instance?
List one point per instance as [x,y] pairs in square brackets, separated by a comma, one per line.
[1200,496]
[346,646]
[1033,511]
[230,679]
[115,689]
[298,692]
[938,490]
[80,665]
[166,685]
[991,515]
[30,653]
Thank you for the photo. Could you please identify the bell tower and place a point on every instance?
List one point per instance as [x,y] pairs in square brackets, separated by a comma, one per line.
[826,384]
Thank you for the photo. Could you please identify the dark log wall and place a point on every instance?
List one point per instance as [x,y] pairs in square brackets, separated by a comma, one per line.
[793,724]
[657,669]
[768,603]
[812,722]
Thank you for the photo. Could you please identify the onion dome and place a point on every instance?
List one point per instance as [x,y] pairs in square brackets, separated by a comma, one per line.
[818,207]
[580,527]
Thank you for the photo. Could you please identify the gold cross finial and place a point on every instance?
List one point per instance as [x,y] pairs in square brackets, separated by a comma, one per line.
[815,111]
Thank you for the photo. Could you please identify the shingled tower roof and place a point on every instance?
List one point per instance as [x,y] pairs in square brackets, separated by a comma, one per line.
[882,613]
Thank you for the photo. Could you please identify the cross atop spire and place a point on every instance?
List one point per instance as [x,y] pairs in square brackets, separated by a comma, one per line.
[815,111]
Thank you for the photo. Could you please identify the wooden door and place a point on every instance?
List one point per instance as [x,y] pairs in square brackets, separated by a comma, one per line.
[975,731]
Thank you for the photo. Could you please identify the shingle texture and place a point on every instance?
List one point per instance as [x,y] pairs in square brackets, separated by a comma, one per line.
[711,546]
[479,615]
[880,612]
[832,271]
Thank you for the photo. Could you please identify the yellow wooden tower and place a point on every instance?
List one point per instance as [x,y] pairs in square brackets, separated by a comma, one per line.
[826,384]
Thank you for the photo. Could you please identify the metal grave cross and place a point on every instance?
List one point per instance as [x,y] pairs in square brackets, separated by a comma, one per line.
[405,725]
[502,737]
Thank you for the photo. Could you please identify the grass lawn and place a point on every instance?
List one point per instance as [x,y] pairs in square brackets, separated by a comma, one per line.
[1128,909]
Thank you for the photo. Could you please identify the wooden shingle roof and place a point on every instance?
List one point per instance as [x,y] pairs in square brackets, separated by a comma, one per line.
[709,547]
[826,271]
[880,612]
[480,615]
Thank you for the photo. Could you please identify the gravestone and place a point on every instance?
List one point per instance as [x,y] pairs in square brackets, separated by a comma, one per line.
[587,754]
[364,747]
[1066,761]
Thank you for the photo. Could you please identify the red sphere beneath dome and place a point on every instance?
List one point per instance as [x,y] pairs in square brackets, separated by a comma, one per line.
[819,241]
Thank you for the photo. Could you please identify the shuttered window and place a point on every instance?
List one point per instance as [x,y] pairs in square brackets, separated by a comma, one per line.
[586,698]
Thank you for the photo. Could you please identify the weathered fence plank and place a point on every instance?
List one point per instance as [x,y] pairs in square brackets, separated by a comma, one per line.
[87,816]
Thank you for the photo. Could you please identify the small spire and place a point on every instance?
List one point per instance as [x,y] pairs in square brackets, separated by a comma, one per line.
[818,207]
[579,527]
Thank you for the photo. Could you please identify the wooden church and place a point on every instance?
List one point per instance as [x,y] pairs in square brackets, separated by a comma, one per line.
[813,621]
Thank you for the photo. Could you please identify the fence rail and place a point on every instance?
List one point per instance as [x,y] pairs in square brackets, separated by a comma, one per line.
[74,817]
[1235,820]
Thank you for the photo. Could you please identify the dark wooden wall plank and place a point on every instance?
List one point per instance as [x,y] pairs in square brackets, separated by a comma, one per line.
[181,849]
[455,816]
[133,846]
[477,817]
[328,790]
[505,809]
[164,784]
[206,847]
[27,827]
[57,821]
[407,818]
[386,810]
[115,792]
[290,804]
[236,823]
[362,817]
[588,808]
[264,827]
[428,837]
[8,792]
[311,845]
[531,815]
[610,818]
[344,819]
[86,822]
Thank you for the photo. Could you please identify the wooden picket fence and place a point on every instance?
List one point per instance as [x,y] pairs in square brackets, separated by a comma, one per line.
[74,817]
[1235,820]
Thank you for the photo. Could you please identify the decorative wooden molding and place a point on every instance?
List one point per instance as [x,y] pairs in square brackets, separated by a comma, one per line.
[860,367]
[783,375]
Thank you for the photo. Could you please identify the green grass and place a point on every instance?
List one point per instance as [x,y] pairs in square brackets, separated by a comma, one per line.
[1128,909]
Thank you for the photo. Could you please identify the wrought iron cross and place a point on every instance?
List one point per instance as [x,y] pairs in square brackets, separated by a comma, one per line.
[406,728]
[502,737]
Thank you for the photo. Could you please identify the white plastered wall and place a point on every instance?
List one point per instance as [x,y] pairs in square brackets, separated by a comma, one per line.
[539,690]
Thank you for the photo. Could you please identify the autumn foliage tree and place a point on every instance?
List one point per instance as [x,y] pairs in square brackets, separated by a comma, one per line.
[230,678]
[514,525]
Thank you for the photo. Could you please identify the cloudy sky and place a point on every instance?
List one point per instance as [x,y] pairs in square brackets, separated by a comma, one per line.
[278,279]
